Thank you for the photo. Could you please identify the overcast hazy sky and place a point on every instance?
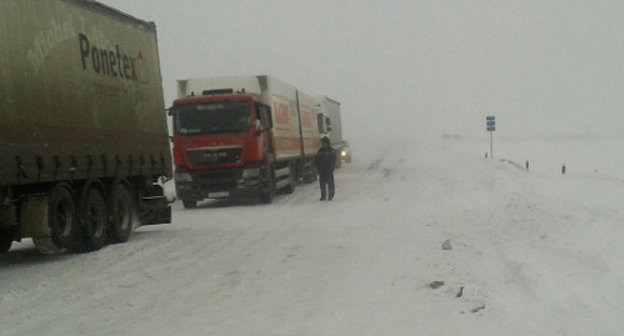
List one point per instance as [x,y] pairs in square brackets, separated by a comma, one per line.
[404,67]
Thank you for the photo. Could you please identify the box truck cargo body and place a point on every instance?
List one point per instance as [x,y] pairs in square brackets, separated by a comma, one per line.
[242,136]
[83,133]
[330,125]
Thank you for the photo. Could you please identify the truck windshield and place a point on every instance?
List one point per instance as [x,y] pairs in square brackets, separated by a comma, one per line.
[213,117]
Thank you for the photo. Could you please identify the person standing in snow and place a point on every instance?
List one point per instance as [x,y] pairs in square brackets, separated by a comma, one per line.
[325,162]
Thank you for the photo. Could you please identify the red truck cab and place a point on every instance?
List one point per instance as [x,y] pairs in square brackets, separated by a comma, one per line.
[220,145]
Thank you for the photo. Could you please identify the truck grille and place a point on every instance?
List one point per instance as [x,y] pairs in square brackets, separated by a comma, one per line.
[206,156]
[218,179]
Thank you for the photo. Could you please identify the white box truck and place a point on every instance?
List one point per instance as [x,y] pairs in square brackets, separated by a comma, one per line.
[330,124]
[241,136]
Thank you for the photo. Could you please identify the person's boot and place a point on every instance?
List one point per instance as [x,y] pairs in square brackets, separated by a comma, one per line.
[331,195]
[322,196]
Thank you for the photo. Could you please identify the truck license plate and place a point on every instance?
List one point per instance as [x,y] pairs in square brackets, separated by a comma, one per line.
[218,194]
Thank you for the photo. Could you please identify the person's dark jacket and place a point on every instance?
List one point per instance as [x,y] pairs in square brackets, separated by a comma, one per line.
[325,160]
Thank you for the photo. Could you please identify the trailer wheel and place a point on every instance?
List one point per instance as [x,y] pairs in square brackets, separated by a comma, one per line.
[189,204]
[122,213]
[5,243]
[310,177]
[94,220]
[268,192]
[62,218]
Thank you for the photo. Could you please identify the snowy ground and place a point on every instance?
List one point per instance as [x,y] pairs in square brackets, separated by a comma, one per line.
[536,253]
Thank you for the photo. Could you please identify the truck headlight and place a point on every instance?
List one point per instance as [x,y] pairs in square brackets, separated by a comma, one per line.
[251,172]
[183,177]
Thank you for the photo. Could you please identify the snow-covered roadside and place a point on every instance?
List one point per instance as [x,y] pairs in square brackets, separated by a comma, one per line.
[536,253]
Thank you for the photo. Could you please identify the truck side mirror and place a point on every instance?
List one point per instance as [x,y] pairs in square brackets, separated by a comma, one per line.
[268,120]
[171,111]
[264,114]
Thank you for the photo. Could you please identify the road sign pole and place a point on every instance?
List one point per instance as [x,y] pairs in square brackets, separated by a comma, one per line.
[490,126]
[491,144]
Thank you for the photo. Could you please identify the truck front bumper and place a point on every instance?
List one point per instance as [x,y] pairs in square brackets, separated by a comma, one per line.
[218,183]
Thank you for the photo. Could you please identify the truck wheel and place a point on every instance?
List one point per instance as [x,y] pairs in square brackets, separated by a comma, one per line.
[5,243]
[62,218]
[290,188]
[189,204]
[94,220]
[266,196]
[122,213]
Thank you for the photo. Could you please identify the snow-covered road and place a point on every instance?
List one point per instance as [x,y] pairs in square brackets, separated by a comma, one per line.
[535,254]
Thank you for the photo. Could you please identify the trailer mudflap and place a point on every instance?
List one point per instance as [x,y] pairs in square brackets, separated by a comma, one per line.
[34,219]
[156,210]
[157,216]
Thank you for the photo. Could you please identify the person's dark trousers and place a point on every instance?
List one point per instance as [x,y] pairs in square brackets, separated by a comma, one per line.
[326,181]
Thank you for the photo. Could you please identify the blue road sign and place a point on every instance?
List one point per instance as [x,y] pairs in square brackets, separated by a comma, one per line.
[490,123]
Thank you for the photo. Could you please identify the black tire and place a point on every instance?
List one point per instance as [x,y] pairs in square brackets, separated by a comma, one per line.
[290,188]
[62,218]
[268,192]
[5,242]
[310,177]
[94,219]
[189,204]
[122,214]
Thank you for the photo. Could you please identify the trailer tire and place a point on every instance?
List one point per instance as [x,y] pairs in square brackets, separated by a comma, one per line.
[122,213]
[5,243]
[93,214]
[62,218]
[189,204]
[310,177]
